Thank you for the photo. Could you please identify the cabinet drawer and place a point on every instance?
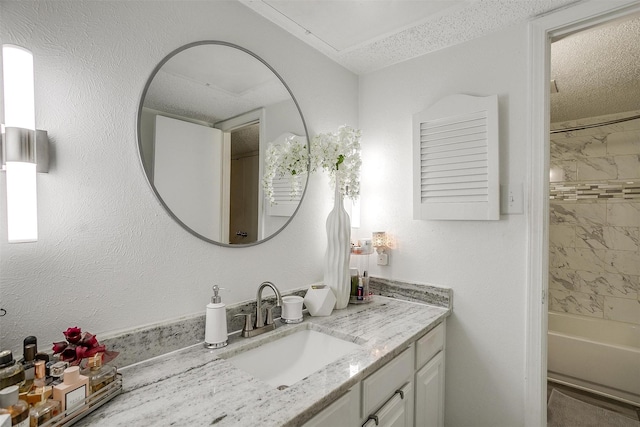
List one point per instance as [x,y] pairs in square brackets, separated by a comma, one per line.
[429,345]
[379,386]
[397,411]
[344,411]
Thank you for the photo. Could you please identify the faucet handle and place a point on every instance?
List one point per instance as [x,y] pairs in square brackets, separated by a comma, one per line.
[269,315]
[248,324]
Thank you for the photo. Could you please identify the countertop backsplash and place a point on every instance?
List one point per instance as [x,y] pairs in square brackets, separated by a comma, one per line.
[155,340]
[416,292]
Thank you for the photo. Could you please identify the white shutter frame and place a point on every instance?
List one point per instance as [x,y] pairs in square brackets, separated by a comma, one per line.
[456,160]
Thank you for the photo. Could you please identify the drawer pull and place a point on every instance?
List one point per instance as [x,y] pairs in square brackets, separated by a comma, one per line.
[401,393]
[374,418]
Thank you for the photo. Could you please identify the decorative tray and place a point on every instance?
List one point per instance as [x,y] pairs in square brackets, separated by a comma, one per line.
[92,402]
[360,251]
[364,300]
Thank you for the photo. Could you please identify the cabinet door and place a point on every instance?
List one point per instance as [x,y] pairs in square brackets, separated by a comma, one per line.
[343,412]
[430,393]
[397,412]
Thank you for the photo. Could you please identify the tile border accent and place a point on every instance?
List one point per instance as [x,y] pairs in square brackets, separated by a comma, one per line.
[627,190]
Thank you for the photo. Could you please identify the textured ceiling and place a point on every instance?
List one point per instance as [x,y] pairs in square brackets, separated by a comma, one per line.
[597,71]
[211,83]
[432,28]
[245,141]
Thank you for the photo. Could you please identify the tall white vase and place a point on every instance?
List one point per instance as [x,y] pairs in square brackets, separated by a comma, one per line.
[336,265]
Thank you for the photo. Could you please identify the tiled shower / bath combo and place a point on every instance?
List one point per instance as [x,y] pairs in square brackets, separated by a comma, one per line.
[594,256]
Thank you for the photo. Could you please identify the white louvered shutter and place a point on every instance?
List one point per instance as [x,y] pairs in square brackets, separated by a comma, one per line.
[456,161]
[286,203]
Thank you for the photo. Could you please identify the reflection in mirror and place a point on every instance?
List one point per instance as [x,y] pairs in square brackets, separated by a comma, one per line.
[207,114]
[243,202]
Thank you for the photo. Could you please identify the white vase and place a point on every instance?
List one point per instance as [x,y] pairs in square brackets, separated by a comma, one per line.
[336,264]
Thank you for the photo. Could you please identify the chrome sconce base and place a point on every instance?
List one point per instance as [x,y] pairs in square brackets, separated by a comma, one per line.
[24,145]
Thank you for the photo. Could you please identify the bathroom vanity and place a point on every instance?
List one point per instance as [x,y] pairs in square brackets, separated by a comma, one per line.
[396,373]
[396,394]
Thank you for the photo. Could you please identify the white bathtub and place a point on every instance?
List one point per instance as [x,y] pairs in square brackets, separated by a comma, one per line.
[596,355]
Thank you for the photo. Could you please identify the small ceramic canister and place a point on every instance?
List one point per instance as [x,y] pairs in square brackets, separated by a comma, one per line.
[319,300]
[292,309]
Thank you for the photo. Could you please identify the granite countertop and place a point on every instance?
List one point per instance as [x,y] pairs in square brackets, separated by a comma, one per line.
[197,386]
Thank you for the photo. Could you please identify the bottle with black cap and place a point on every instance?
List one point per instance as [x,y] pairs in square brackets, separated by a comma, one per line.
[28,364]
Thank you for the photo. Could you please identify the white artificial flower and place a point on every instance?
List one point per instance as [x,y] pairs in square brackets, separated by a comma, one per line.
[337,153]
[287,160]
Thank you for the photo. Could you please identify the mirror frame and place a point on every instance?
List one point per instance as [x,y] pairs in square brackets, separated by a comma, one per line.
[147,172]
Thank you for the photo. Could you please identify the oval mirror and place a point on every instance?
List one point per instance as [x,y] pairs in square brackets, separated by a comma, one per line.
[208,112]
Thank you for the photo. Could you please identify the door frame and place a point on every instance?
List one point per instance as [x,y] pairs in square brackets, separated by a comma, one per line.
[227,126]
[563,22]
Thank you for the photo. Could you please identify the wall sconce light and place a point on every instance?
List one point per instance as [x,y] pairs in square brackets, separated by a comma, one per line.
[380,242]
[24,150]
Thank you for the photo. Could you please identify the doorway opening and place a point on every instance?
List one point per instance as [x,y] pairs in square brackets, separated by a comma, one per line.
[244,184]
[543,31]
[594,219]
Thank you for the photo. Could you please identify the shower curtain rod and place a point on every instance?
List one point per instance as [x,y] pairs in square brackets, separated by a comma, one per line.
[611,122]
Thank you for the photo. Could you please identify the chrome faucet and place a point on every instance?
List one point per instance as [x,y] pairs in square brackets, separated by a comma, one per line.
[263,324]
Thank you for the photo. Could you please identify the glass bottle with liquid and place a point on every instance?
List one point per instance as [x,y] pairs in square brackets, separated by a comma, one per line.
[28,364]
[355,277]
[42,412]
[73,389]
[11,373]
[359,263]
[17,409]
[99,375]
[40,390]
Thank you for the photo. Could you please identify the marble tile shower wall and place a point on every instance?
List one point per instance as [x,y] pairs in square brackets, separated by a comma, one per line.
[594,231]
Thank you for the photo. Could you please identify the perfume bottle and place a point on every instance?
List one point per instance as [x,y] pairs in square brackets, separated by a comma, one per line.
[28,364]
[40,391]
[99,375]
[18,409]
[355,275]
[11,373]
[73,389]
[40,355]
[42,412]
[56,371]
[5,418]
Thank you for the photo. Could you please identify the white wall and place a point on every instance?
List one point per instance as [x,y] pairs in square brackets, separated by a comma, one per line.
[483,261]
[108,256]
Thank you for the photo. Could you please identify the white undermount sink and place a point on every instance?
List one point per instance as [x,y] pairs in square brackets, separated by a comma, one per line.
[287,360]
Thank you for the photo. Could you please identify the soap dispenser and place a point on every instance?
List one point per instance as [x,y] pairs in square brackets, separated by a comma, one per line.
[215,333]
